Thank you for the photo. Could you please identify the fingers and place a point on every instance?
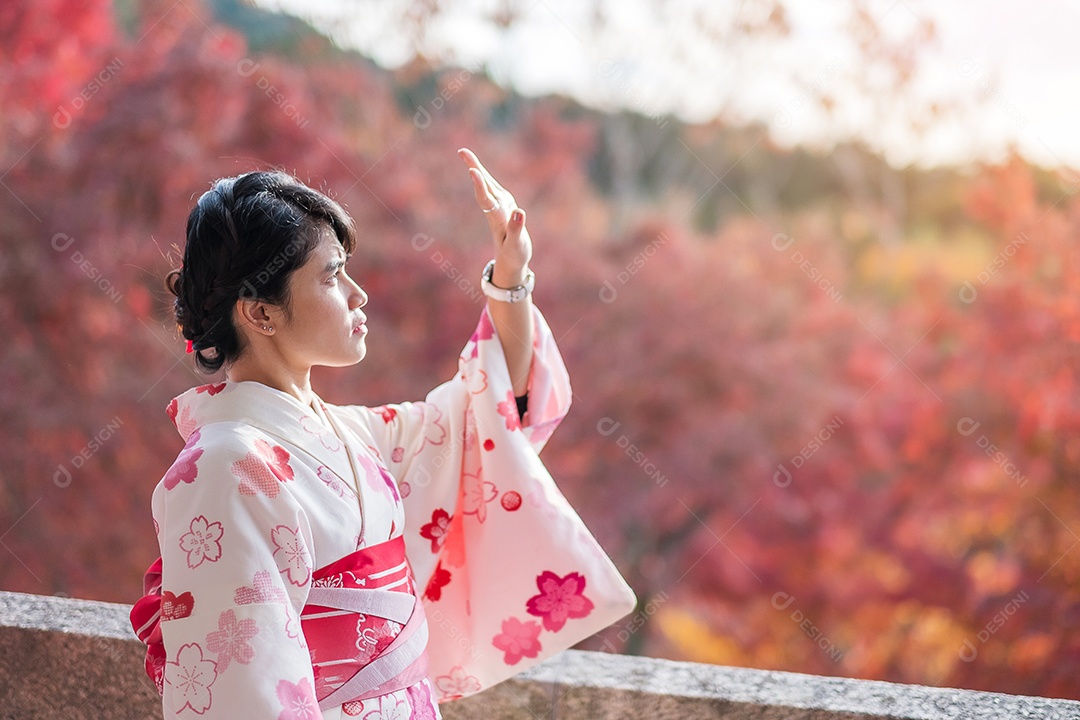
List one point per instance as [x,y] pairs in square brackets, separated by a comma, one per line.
[473,162]
[483,197]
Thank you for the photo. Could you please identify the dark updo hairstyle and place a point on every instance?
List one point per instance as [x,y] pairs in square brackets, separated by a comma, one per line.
[245,237]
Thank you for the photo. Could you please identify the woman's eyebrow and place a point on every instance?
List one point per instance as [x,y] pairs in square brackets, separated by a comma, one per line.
[333,265]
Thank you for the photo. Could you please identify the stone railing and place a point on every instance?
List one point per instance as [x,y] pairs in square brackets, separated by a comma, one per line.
[65,658]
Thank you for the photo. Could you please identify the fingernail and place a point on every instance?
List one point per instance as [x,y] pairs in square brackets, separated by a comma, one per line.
[518,216]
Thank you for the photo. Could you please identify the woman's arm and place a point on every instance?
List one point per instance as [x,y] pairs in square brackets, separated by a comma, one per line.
[513,324]
[513,250]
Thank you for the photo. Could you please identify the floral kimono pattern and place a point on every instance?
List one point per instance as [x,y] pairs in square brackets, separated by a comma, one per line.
[272,505]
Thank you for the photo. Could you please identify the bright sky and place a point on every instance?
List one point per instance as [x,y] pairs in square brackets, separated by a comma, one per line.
[1011,65]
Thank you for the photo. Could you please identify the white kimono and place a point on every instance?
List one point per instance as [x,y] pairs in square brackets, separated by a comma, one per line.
[264,494]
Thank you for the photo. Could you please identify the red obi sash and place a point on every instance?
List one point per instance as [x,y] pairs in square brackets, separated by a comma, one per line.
[363,622]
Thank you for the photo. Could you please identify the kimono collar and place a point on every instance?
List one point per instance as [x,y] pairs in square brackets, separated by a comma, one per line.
[273,411]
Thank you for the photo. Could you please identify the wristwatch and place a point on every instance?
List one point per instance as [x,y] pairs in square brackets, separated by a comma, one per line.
[510,295]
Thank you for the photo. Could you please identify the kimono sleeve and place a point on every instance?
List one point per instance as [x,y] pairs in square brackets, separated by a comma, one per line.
[510,573]
[236,562]
[401,431]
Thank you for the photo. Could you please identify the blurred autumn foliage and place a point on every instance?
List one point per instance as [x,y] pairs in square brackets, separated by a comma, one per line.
[807,446]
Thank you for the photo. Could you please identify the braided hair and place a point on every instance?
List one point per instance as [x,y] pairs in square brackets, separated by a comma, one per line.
[245,237]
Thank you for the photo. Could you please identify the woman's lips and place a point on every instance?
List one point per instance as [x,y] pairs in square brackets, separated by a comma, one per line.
[361,328]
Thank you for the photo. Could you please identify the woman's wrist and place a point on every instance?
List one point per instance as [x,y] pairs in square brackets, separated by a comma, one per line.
[504,277]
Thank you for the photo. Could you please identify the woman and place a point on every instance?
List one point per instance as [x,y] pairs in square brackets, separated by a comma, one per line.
[334,561]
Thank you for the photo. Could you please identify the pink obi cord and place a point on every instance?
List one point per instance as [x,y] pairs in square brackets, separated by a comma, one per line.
[363,620]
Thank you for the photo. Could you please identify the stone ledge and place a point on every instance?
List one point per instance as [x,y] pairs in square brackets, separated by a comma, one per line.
[62,657]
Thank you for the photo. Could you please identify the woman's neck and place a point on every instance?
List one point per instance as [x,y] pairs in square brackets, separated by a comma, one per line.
[297,384]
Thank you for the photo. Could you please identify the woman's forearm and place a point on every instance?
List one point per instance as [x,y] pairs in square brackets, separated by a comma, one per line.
[513,323]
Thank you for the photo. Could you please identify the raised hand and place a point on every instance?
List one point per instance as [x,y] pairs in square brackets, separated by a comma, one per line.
[513,247]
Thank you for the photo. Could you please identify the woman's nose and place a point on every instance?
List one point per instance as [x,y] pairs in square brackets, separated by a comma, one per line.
[360,297]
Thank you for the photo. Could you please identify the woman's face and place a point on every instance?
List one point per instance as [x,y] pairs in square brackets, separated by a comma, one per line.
[325,325]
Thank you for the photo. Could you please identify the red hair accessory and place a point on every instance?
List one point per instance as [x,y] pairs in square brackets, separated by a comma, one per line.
[189,348]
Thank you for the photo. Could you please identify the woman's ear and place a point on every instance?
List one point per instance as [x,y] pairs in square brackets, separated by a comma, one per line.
[254,315]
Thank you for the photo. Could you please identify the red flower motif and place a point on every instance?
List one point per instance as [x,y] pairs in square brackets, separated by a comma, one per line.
[213,388]
[508,409]
[263,470]
[184,468]
[518,639]
[277,458]
[386,413]
[174,607]
[560,598]
[435,531]
[439,579]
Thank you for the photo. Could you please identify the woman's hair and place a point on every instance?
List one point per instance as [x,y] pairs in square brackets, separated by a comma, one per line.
[245,238]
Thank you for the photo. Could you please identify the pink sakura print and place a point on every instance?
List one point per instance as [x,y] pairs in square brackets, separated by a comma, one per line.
[508,409]
[485,329]
[388,480]
[439,579]
[478,493]
[315,426]
[474,377]
[202,541]
[185,422]
[191,675]
[397,454]
[435,531]
[371,473]
[518,639]
[390,708]
[297,700]
[470,430]
[183,468]
[263,470]
[333,481]
[230,641]
[291,554]
[560,598]
[434,432]
[264,590]
[419,695]
[457,684]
